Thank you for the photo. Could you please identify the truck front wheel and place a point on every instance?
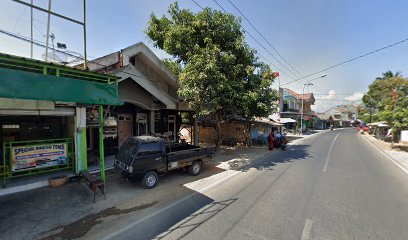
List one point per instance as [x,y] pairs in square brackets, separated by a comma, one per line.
[150,180]
[195,169]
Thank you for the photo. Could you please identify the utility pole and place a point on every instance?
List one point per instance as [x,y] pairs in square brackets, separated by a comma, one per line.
[84,25]
[32,44]
[301,113]
[48,30]
[279,98]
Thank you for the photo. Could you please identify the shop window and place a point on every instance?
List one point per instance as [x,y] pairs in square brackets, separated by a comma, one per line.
[157,124]
[285,107]
[10,132]
[149,148]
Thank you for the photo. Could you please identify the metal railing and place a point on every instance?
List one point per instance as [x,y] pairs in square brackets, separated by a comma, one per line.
[40,67]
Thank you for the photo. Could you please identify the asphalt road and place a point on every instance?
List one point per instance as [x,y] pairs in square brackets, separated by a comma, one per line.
[330,186]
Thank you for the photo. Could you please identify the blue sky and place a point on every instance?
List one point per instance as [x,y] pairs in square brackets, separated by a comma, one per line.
[311,35]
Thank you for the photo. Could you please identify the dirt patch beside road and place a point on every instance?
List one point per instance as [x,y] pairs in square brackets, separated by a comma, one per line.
[82,226]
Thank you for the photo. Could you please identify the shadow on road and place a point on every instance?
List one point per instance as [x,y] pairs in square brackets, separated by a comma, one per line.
[68,212]
[292,153]
[67,207]
[196,219]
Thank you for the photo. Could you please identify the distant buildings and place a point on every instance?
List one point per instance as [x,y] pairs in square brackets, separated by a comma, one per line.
[343,115]
[291,108]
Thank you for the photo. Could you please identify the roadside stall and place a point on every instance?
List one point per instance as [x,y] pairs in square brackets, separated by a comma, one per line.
[43,115]
[380,130]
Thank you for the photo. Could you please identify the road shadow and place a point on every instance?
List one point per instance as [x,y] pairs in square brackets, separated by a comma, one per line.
[59,212]
[193,221]
[54,213]
[292,153]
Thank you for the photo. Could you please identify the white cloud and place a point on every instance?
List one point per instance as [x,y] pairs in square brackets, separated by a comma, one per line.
[355,97]
[322,105]
[331,95]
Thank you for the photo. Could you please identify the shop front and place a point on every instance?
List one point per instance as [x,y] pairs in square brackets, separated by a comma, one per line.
[122,122]
[43,115]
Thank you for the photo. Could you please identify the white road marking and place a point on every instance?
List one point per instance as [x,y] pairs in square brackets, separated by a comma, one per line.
[386,155]
[307,229]
[329,153]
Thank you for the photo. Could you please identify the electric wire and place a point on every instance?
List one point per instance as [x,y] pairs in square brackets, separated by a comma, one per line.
[260,44]
[38,43]
[349,60]
[266,40]
[249,34]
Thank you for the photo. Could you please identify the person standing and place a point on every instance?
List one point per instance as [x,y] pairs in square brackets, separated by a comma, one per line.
[271,139]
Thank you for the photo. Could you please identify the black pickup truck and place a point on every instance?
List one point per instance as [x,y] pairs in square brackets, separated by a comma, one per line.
[150,156]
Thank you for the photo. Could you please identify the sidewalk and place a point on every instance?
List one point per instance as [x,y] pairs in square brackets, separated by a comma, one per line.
[399,156]
[68,212]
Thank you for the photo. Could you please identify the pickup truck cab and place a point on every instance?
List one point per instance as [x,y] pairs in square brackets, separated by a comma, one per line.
[150,156]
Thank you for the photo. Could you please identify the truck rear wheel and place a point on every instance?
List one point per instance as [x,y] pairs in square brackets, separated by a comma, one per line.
[195,169]
[150,180]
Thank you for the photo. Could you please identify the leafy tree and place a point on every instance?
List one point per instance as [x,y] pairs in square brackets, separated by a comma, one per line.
[174,66]
[221,75]
[389,74]
[381,100]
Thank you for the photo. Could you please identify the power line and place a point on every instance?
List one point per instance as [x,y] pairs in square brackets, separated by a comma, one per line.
[38,43]
[324,99]
[326,94]
[197,4]
[266,40]
[349,60]
[35,42]
[247,32]
[277,68]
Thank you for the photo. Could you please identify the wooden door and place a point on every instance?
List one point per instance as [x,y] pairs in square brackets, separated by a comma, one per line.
[141,123]
[125,127]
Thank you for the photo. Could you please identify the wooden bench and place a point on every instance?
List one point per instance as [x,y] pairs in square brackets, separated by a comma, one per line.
[94,183]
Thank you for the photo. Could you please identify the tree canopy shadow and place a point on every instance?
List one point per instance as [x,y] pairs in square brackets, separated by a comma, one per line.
[292,153]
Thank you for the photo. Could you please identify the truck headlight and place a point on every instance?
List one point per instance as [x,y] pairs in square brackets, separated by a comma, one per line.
[130,169]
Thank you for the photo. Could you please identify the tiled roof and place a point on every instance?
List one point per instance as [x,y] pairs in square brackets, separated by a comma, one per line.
[323,116]
[306,96]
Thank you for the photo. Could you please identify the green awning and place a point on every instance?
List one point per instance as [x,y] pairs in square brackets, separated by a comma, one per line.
[28,85]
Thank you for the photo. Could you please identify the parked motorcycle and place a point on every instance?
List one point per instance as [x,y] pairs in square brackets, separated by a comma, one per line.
[280,142]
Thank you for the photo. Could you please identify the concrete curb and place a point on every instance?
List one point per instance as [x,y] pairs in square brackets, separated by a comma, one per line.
[382,152]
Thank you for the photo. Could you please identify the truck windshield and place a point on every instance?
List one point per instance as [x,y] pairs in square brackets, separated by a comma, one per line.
[126,151]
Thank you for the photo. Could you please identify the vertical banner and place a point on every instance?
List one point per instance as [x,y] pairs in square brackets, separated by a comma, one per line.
[38,156]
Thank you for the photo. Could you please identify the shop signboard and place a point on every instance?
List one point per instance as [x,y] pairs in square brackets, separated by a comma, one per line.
[38,156]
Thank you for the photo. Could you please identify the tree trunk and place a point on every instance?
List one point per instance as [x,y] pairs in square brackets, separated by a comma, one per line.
[218,130]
